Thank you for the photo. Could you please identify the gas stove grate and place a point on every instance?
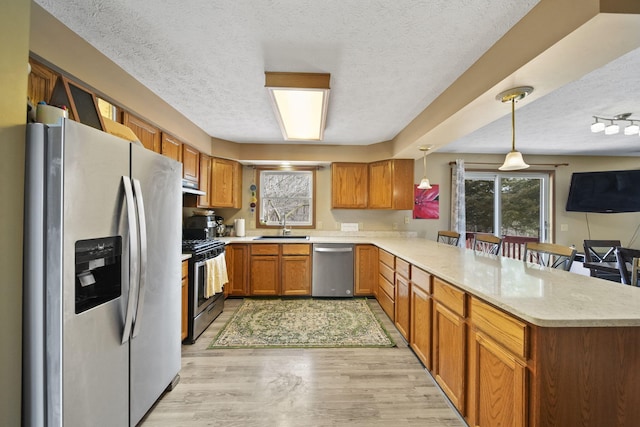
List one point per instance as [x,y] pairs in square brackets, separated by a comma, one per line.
[200,245]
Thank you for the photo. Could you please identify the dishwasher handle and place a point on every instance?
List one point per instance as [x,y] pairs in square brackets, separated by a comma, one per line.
[333,249]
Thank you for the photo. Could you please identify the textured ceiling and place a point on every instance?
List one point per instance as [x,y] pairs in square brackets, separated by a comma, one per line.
[388,61]
[560,122]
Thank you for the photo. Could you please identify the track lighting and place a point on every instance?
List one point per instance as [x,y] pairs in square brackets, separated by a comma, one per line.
[613,128]
[632,129]
[597,126]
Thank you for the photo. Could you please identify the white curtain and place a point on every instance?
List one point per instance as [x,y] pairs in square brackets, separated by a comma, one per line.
[458,218]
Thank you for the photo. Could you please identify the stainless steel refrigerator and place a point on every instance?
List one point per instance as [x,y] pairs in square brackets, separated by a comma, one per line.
[102,277]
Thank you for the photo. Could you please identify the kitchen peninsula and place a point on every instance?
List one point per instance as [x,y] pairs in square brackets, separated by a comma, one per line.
[512,343]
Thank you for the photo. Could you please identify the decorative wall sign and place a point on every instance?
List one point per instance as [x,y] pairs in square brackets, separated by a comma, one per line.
[426,202]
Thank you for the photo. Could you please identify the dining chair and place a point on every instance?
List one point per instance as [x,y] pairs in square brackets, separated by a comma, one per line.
[629,256]
[601,251]
[487,243]
[549,255]
[449,237]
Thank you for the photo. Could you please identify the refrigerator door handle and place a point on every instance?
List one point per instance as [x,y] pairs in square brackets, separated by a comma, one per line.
[142,224]
[133,250]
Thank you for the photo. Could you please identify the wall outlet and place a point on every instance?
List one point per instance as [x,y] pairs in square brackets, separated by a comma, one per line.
[319,225]
[338,225]
[360,226]
[564,227]
[395,226]
[349,226]
[406,220]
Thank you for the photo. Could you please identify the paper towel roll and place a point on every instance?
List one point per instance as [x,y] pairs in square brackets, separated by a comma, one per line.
[239,227]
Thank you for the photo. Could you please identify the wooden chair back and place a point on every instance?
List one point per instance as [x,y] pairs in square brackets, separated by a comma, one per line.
[513,246]
[449,237]
[632,257]
[549,255]
[487,243]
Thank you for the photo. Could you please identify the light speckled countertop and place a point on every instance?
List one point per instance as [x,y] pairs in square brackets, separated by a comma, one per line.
[538,295]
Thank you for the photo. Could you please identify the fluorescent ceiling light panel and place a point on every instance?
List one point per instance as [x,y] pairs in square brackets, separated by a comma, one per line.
[300,101]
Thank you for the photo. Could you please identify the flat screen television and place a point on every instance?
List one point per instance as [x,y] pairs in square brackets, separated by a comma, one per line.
[605,192]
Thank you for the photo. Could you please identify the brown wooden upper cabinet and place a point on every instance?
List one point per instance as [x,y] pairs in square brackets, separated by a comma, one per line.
[391,184]
[204,180]
[226,183]
[148,134]
[41,82]
[171,147]
[190,163]
[387,184]
[349,185]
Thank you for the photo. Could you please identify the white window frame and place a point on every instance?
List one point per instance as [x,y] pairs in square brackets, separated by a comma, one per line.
[546,201]
[274,206]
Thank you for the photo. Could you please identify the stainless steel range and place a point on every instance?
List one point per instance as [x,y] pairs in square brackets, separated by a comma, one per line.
[203,309]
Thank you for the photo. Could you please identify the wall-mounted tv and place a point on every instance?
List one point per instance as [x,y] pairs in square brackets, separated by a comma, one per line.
[605,192]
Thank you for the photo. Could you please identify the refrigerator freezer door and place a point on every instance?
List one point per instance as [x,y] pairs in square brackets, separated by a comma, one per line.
[155,344]
[89,201]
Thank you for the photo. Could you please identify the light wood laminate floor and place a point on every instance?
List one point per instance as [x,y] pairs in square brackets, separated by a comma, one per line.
[302,387]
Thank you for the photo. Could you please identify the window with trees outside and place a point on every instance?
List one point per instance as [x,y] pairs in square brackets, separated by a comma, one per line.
[286,197]
[508,204]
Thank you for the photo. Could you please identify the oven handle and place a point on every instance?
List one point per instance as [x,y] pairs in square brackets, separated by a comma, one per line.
[133,251]
[142,281]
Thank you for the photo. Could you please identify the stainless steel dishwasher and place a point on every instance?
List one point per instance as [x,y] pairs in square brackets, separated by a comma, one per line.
[332,270]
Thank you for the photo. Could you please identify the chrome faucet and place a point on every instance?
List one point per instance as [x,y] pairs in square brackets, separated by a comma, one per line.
[286,231]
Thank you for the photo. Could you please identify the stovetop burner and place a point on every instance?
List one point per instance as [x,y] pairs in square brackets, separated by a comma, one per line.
[200,245]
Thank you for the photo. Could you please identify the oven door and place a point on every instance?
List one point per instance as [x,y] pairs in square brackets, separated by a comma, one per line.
[199,283]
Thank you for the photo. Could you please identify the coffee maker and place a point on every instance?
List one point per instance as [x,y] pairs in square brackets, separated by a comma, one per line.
[200,227]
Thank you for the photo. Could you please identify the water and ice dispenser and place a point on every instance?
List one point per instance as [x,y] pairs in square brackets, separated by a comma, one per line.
[98,272]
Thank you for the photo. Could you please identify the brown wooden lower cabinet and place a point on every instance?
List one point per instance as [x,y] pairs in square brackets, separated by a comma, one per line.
[386,283]
[296,269]
[280,269]
[185,300]
[265,275]
[497,367]
[366,270]
[449,353]
[402,305]
[420,315]
[499,370]
[237,257]
[497,385]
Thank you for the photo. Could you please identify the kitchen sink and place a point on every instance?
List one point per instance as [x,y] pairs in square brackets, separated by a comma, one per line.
[289,236]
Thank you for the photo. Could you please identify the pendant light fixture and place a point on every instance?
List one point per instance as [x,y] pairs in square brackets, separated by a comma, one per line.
[514,161]
[424,184]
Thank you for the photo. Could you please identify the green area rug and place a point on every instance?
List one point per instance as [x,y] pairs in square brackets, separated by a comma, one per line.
[306,323]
